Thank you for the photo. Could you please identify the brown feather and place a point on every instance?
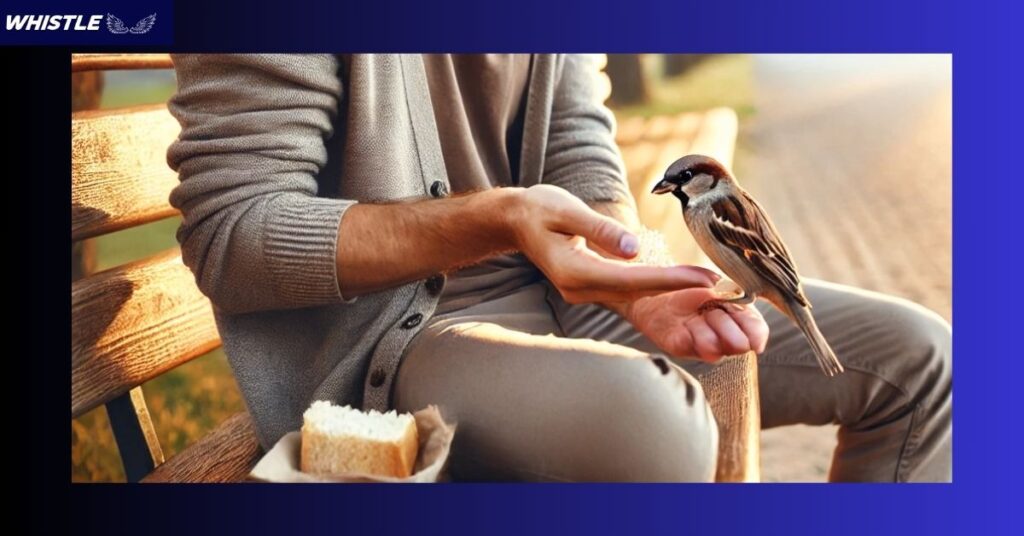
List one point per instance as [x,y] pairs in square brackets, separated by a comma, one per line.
[743,226]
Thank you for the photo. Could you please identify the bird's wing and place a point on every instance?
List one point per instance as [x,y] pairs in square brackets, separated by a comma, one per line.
[116,25]
[742,225]
[144,25]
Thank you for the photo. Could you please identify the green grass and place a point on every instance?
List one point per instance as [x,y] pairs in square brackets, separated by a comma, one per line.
[117,97]
[131,244]
[719,80]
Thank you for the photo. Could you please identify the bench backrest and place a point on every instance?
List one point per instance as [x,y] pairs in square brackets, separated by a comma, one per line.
[131,323]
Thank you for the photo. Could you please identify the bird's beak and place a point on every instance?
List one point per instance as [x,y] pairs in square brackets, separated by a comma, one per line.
[663,187]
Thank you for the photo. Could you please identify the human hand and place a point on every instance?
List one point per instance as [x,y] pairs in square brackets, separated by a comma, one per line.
[561,235]
[672,321]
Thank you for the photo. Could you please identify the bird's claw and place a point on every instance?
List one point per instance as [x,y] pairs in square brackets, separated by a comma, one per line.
[710,305]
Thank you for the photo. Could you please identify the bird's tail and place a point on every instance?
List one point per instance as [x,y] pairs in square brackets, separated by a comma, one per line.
[801,315]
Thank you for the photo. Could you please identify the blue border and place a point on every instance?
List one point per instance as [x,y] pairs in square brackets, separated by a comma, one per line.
[987,192]
[592,26]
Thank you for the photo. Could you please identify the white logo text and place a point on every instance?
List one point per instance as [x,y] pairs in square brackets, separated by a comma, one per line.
[54,22]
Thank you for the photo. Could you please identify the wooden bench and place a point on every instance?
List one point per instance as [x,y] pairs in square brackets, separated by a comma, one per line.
[135,322]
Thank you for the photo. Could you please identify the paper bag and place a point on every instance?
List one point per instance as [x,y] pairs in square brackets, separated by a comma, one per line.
[281,464]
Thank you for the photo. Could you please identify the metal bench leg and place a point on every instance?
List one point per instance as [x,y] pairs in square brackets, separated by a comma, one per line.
[135,435]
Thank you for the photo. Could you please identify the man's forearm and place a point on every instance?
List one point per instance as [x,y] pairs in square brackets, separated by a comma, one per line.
[382,246]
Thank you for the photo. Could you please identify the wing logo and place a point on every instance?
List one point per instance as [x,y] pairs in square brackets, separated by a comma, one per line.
[117,26]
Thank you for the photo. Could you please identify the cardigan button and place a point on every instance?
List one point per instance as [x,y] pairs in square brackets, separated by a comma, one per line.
[437,189]
[435,284]
[377,377]
[412,321]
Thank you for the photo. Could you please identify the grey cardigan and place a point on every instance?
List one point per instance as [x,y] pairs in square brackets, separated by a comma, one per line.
[275,148]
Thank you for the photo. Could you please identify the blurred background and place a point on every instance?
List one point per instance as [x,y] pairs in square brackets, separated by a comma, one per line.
[850,154]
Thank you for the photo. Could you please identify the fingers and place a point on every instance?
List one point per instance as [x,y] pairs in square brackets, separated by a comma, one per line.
[731,338]
[705,340]
[685,303]
[754,327]
[679,343]
[717,334]
[602,231]
[642,278]
[707,275]
[596,279]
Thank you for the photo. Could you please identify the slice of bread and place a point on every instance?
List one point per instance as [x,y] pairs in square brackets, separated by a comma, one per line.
[339,440]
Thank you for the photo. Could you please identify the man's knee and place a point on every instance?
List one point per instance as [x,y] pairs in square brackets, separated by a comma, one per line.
[662,429]
[925,347]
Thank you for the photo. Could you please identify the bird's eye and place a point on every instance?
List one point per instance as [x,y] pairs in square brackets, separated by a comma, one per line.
[687,175]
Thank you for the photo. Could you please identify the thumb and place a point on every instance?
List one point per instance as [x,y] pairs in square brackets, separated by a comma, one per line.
[603,232]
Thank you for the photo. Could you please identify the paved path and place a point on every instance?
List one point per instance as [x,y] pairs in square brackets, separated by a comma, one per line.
[852,157]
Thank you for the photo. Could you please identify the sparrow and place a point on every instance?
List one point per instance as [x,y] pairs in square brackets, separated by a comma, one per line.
[736,234]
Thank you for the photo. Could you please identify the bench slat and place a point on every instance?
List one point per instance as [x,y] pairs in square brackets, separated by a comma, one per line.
[119,173]
[716,136]
[227,454]
[102,62]
[132,323]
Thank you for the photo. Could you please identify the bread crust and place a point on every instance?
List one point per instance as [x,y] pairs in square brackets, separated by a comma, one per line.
[323,454]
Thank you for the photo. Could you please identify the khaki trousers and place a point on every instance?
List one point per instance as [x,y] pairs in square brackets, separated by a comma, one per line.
[547,391]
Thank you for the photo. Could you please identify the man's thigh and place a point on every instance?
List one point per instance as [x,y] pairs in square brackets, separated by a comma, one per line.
[596,322]
[533,404]
[892,349]
[883,342]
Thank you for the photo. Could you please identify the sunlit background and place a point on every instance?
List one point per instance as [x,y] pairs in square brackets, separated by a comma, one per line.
[851,155]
